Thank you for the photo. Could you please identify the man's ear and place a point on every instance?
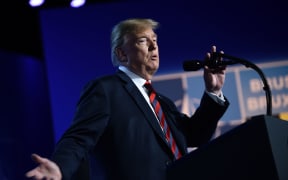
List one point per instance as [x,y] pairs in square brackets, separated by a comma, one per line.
[121,54]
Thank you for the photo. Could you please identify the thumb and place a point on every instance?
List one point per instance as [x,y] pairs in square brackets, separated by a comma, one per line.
[38,159]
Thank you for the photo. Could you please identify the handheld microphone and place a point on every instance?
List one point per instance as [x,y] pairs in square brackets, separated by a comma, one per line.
[214,62]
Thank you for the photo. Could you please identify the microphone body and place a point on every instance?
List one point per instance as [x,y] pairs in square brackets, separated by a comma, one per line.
[214,62]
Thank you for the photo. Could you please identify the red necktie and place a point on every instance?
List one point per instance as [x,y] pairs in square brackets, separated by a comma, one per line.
[161,117]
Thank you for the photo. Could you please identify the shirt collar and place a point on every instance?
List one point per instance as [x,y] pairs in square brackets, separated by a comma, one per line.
[138,81]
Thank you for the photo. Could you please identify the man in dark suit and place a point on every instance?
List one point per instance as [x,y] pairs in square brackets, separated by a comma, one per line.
[116,122]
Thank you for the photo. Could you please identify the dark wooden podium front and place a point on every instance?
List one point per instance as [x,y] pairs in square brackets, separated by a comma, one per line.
[256,149]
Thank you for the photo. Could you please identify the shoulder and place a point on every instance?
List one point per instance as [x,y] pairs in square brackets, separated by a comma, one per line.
[98,83]
[118,78]
[100,80]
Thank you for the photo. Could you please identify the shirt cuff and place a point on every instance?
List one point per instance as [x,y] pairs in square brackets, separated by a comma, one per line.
[217,98]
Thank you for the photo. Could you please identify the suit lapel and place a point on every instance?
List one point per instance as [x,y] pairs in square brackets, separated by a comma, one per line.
[142,104]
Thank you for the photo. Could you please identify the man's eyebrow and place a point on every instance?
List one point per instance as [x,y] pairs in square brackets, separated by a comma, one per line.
[145,35]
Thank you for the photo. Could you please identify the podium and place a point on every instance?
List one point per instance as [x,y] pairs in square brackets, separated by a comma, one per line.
[256,149]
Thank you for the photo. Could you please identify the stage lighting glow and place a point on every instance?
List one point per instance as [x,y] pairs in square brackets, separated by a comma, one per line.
[35,3]
[77,3]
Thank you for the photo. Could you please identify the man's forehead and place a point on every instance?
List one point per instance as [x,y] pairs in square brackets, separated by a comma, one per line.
[143,33]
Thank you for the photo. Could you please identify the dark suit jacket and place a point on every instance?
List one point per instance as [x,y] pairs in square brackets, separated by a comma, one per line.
[114,123]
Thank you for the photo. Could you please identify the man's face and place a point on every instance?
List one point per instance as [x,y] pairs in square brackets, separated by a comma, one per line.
[141,53]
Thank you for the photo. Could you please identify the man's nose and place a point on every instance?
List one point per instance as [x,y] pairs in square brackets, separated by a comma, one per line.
[152,46]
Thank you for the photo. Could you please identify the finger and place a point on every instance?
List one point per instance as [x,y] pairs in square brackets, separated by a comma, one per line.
[207,68]
[220,70]
[38,158]
[221,58]
[213,49]
[35,174]
[38,176]
[30,174]
[208,55]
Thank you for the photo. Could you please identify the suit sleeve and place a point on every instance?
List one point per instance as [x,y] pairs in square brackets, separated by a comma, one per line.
[200,127]
[89,122]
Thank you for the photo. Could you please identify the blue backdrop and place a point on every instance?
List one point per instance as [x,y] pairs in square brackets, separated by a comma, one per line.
[77,45]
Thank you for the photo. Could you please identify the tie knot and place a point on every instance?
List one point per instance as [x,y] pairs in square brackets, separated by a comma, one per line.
[148,86]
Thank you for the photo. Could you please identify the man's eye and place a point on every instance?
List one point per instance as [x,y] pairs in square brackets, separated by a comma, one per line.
[142,41]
